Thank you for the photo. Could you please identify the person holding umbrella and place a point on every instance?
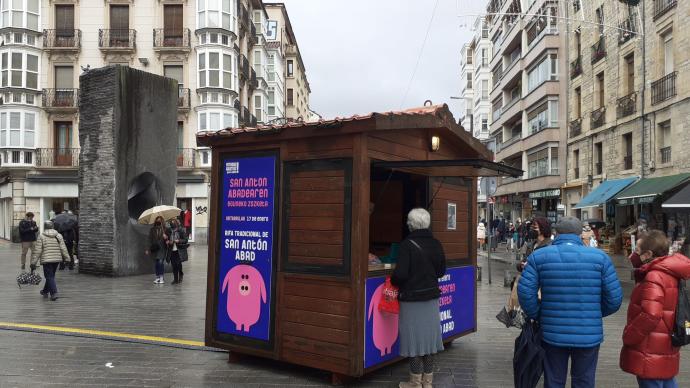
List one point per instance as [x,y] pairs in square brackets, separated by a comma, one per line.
[158,247]
[50,251]
[66,223]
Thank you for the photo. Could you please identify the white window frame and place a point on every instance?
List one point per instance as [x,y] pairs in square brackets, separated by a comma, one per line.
[545,70]
[223,11]
[667,47]
[225,118]
[223,57]
[22,130]
[6,69]
[546,118]
[7,11]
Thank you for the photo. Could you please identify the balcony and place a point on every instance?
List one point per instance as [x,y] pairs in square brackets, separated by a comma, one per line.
[119,40]
[626,30]
[665,155]
[186,158]
[663,6]
[252,31]
[244,68]
[253,81]
[664,88]
[575,128]
[183,100]
[599,50]
[576,67]
[627,162]
[598,169]
[62,41]
[598,118]
[626,105]
[172,41]
[57,157]
[244,118]
[60,100]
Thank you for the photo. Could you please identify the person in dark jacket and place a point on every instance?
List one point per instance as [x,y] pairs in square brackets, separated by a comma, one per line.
[177,245]
[69,236]
[421,262]
[27,234]
[579,286]
[647,349]
[158,247]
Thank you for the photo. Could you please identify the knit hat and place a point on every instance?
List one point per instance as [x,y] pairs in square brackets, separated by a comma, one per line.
[569,225]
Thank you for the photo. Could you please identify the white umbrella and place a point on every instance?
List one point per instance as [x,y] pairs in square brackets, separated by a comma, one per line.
[148,217]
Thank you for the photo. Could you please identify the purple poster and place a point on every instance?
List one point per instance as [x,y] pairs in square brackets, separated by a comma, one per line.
[456,311]
[246,247]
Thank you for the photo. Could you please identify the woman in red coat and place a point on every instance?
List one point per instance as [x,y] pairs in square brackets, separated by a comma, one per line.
[647,350]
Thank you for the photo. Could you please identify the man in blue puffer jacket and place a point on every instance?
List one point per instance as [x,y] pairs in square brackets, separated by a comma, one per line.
[579,286]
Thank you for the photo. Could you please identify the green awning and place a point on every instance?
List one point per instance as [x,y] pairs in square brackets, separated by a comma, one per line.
[647,189]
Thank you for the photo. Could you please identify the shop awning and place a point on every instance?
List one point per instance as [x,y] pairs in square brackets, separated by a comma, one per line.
[679,200]
[647,189]
[450,168]
[605,191]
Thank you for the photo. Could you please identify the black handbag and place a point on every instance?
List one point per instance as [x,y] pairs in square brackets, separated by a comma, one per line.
[681,327]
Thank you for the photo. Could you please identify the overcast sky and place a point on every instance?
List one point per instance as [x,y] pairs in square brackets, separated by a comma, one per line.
[360,54]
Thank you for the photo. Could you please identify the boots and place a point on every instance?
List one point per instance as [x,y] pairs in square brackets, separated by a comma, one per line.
[415,382]
[427,379]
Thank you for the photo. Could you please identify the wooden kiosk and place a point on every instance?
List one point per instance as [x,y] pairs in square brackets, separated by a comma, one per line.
[297,210]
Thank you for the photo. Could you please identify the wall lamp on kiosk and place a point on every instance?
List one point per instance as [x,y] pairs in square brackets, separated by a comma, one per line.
[435,143]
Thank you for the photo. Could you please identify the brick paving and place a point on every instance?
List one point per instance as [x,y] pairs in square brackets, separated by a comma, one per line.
[136,305]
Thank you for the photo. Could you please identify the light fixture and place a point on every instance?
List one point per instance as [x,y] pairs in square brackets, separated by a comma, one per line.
[144,61]
[435,143]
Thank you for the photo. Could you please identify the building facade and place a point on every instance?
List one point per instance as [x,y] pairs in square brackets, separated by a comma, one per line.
[629,107]
[528,102]
[231,71]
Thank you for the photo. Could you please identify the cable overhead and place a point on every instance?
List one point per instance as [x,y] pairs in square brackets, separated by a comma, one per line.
[419,56]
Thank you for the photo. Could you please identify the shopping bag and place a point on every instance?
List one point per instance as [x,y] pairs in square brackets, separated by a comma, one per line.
[389,298]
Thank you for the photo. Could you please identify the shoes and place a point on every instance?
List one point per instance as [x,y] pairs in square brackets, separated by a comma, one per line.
[161,280]
[158,280]
[181,276]
[175,282]
[54,297]
[44,293]
[427,380]
[415,381]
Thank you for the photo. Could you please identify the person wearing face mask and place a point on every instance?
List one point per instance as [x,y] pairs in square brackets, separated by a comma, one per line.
[648,352]
[177,245]
[158,247]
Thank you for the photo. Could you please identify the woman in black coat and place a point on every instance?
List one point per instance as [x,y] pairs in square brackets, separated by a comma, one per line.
[421,262]
[178,249]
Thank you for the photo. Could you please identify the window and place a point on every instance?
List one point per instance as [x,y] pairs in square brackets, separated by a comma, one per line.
[290,98]
[598,158]
[485,58]
[544,116]
[664,140]
[172,24]
[627,151]
[554,161]
[258,63]
[217,69]
[470,54]
[485,124]
[469,81]
[578,41]
[215,120]
[19,70]
[546,70]
[20,13]
[17,129]
[258,108]
[271,103]
[667,54]
[600,90]
[578,102]
[630,73]
[538,163]
[270,68]
[175,72]
[290,72]
[485,90]
[205,157]
[600,19]
[216,14]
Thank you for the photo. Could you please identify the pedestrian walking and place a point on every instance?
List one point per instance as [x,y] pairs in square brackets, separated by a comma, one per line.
[27,235]
[69,236]
[177,246]
[421,262]
[587,236]
[512,238]
[579,287]
[647,349]
[50,251]
[481,234]
[158,248]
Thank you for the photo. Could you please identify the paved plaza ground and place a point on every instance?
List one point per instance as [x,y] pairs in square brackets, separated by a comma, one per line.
[136,305]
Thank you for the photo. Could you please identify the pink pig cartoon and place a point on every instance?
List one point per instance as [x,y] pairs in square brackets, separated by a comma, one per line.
[246,291]
[385,326]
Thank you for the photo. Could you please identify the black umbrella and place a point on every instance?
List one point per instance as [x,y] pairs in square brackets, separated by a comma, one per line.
[65,221]
[528,360]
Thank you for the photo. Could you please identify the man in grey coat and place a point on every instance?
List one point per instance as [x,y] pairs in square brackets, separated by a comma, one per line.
[50,250]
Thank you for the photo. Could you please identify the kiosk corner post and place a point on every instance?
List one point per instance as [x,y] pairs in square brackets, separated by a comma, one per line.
[491,234]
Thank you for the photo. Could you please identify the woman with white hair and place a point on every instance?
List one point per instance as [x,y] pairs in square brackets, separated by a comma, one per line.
[421,262]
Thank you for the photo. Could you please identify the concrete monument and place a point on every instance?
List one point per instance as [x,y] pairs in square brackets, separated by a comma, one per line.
[128,139]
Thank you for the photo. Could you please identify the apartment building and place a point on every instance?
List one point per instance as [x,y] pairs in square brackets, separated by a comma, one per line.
[476,84]
[225,54]
[629,108]
[528,103]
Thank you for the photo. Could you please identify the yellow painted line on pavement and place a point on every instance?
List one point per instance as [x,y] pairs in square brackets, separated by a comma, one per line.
[111,334]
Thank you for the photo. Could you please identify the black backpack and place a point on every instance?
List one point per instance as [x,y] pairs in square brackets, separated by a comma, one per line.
[681,327]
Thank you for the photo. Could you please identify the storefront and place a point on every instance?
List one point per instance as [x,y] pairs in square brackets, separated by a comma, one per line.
[677,208]
[598,203]
[546,203]
[643,199]
[191,193]
[48,195]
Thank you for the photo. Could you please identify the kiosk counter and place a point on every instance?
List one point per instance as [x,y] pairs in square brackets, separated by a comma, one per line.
[306,218]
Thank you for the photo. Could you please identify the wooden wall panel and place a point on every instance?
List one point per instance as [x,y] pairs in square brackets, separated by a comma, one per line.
[456,243]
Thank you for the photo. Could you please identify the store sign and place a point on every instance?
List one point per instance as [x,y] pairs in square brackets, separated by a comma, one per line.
[456,311]
[636,201]
[245,268]
[545,194]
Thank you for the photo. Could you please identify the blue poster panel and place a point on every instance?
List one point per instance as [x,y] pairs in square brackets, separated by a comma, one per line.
[456,312]
[246,247]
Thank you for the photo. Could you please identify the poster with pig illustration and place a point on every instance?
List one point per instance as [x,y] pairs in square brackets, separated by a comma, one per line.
[456,314]
[245,274]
